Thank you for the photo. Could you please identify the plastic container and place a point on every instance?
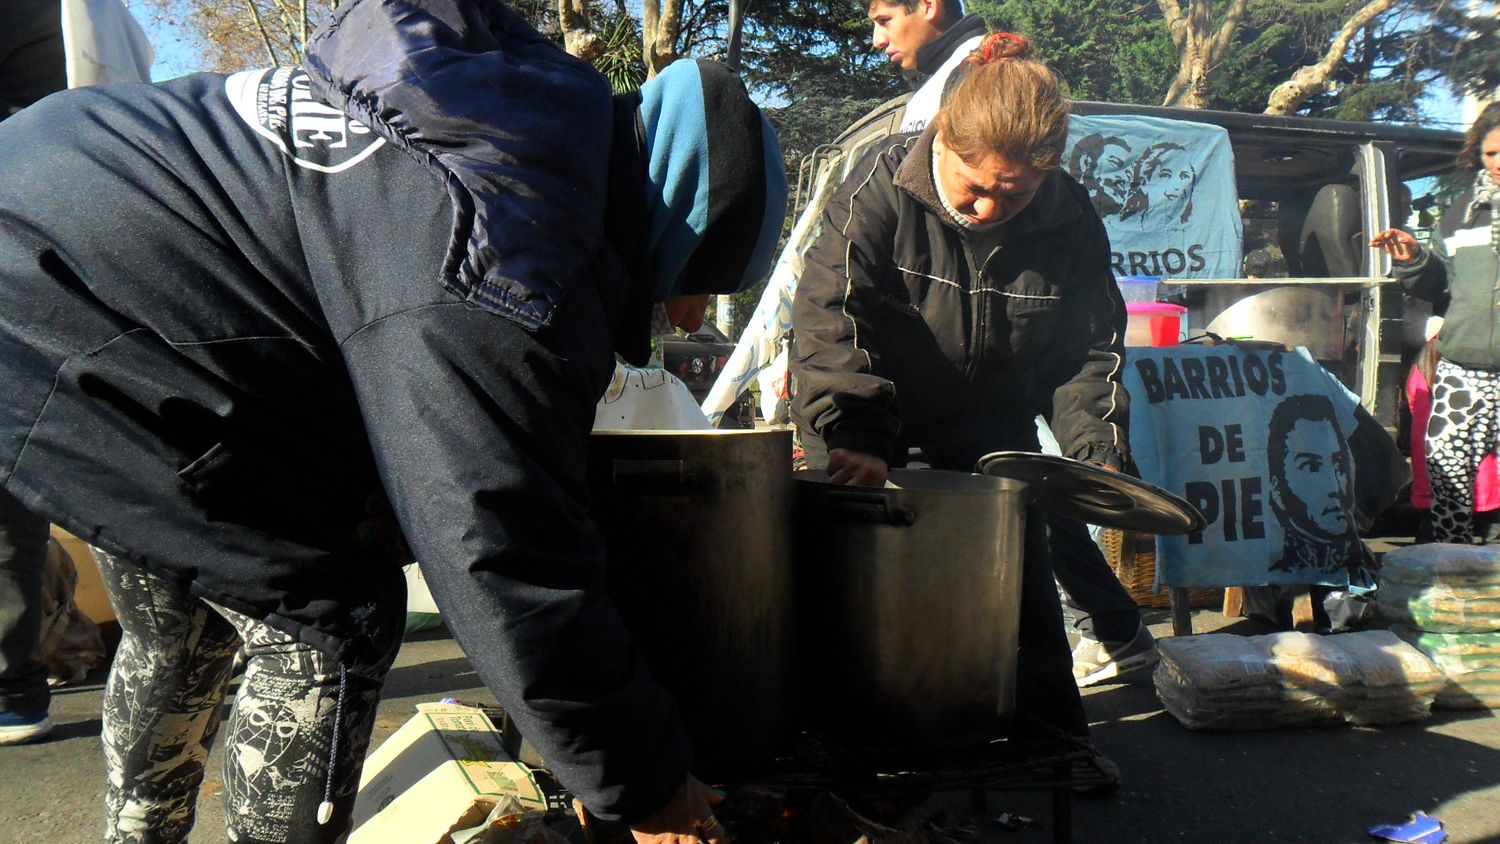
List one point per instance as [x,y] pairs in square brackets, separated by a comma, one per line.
[1153,323]
[1138,288]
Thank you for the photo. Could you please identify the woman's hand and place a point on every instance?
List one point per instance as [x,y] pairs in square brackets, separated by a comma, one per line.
[686,312]
[1398,244]
[847,466]
[688,818]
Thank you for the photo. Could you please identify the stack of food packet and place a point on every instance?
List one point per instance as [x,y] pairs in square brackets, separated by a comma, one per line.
[1222,681]
[1445,600]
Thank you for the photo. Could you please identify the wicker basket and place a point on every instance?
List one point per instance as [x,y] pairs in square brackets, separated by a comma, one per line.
[1132,556]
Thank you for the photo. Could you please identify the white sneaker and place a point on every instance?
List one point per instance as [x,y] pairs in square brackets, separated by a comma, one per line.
[1095,661]
[19,728]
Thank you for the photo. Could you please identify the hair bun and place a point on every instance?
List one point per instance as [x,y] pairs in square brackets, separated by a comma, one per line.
[1001,45]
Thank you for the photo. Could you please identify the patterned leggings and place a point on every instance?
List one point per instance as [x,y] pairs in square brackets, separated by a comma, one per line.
[1461,431]
[297,711]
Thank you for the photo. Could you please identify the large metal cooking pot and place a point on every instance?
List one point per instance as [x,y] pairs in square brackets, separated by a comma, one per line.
[698,530]
[909,599]
[1311,315]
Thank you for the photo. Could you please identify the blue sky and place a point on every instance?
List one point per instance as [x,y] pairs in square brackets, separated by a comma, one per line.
[175,54]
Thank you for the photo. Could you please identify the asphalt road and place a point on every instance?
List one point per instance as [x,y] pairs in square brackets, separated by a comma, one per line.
[1324,785]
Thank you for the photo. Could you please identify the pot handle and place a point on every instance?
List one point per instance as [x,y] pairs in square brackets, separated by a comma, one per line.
[864,505]
[657,477]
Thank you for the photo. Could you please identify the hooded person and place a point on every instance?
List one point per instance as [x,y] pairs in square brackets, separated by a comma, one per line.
[253,327]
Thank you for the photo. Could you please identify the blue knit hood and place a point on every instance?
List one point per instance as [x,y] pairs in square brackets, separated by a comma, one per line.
[716,189]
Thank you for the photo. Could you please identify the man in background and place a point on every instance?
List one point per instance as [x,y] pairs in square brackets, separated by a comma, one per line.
[46,46]
[926,39]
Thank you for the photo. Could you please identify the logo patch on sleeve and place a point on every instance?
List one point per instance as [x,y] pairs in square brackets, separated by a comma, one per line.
[277,105]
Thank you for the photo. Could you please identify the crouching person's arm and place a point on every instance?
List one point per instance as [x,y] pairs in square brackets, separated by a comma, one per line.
[479,428]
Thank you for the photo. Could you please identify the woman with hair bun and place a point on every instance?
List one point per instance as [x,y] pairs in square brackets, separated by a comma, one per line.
[961,285]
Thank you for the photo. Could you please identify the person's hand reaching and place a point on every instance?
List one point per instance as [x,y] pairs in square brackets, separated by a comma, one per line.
[847,466]
[688,818]
[1398,244]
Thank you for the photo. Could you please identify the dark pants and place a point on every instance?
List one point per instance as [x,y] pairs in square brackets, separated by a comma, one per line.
[23,554]
[31,67]
[31,53]
[1103,608]
[1045,689]
[297,733]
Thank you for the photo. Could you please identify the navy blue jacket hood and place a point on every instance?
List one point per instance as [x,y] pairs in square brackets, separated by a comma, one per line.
[520,130]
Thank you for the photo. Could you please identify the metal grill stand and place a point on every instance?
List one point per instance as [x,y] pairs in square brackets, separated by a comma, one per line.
[877,777]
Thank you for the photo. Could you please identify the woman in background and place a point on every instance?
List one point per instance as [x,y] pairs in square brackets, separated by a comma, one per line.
[1462,266]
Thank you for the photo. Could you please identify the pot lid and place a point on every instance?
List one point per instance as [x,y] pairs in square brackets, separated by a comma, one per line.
[1093,494]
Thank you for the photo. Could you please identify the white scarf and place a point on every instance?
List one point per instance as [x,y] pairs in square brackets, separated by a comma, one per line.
[1486,192]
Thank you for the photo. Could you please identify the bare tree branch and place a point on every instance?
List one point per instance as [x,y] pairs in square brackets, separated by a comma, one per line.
[1200,48]
[578,35]
[1176,22]
[1225,37]
[264,36]
[661,22]
[288,19]
[1309,79]
[650,18]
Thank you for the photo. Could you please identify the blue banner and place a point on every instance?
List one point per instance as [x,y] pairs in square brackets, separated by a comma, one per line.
[1258,440]
[1166,191]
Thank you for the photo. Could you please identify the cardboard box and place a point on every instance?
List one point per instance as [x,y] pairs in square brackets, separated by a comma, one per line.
[89,595]
[442,771]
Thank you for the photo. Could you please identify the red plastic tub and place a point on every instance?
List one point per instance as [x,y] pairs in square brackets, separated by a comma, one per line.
[1153,323]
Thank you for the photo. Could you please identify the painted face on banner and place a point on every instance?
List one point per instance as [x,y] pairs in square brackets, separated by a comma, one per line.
[1114,171]
[1168,184]
[1318,484]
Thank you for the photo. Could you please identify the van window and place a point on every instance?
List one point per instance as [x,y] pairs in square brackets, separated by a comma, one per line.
[1264,257]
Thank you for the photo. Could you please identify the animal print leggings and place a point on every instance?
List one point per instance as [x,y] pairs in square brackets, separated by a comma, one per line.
[297,713]
[1462,429]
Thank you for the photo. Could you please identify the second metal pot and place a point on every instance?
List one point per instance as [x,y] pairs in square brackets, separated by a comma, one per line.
[909,599]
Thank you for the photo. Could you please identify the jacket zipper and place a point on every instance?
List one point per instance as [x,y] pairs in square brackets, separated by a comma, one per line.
[981,308]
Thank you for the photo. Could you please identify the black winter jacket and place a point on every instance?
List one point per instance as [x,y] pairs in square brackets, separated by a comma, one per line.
[226,333]
[1460,273]
[905,337]
[934,53]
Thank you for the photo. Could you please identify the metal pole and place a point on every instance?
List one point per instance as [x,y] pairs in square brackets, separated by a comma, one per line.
[736,23]
[724,315]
